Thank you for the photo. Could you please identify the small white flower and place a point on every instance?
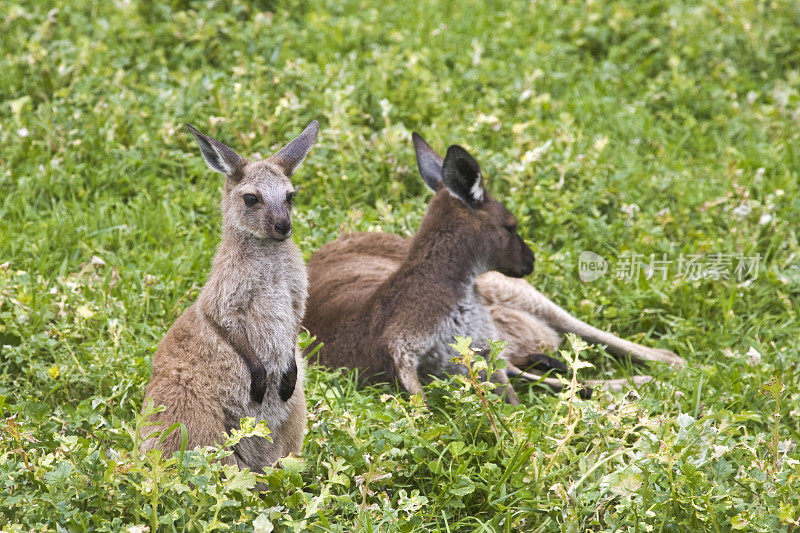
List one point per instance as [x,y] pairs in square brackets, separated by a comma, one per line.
[386,107]
[765,219]
[536,154]
[685,420]
[493,122]
[727,352]
[742,210]
[753,357]
[630,209]
[23,132]
[477,51]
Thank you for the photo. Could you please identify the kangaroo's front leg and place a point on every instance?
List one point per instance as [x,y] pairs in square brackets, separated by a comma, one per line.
[404,363]
[233,332]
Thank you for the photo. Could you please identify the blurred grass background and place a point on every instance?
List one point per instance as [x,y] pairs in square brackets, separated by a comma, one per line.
[647,127]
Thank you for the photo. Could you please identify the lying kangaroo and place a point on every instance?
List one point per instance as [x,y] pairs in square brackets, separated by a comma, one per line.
[232,354]
[389,305]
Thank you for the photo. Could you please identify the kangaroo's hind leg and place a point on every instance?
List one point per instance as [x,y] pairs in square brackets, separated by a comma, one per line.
[529,339]
[496,289]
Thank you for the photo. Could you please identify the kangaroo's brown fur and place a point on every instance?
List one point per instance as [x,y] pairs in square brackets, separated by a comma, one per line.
[389,308]
[232,354]
[382,303]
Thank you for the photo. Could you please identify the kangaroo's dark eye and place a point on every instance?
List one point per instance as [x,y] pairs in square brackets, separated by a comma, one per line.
[290,197]
[250,200]
[511,228]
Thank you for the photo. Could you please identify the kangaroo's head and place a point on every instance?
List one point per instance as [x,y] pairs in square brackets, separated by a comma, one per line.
[258,195]
[484,226]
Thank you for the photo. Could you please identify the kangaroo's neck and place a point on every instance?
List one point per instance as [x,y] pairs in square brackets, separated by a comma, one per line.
[245,248]
[441,264]
[444,254]
[243,260]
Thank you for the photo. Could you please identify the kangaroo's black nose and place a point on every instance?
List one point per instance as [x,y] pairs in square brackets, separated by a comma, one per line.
[283,227]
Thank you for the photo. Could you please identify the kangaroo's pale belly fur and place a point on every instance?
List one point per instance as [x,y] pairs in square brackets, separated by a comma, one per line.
[470,318]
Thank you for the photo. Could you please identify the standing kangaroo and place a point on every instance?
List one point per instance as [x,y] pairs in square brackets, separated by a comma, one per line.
[385,304]
[232,354]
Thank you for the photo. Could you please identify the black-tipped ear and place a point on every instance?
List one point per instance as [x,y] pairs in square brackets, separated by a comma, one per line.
[428,162]
[219,157]
[291,155]
[462,176]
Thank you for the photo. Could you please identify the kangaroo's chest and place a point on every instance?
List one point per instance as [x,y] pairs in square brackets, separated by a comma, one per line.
[469,318]
[273,320]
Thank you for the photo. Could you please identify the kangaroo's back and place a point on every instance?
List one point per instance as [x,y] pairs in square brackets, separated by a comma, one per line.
[343,275]
[354,265]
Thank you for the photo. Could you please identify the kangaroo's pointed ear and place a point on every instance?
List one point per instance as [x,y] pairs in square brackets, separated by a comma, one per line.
[291,155]
[219,157]
[462,176]
[428,162]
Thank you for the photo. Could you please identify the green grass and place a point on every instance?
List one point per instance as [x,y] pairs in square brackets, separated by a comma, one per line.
[575,110]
